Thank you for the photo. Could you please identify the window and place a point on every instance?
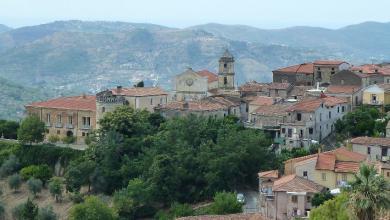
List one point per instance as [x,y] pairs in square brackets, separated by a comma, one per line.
[344,177]
[342,108]
[299,116]
[338,109]
[289,132]
[161,100]
[308,199]
[225,65]
[86,121]
[83,134]
[48,117]
[373,98]
[151,101]
[330,114]
[319,75]
[310,130]
[301,133]
[342,82]
[103,109]
[304,173]
[70,119]
[388,80]
[294,198]
[318,68]
[58,132]
[332,68]
[368,150]
[388,174]
[59,118]
[320,116]
[283,130]
[384,152]
[323,175]
[225,80]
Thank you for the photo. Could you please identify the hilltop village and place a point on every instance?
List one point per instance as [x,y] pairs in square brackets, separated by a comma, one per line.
[298,109]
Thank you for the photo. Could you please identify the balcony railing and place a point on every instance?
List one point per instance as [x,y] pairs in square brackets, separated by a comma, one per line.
[69,126]
[86,127]
[58,125]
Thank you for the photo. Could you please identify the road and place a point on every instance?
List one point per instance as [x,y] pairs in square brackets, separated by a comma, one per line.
[251,201]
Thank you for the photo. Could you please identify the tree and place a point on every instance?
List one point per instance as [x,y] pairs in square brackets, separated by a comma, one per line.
[47,213]
[335,209]
[34,186]
[140,84]
[225,203]
[319,198]
[9,166]
[53,138]
[31,130]
[55,188]
[14,181]
[2,210]
[26,211]
[369,193]
[93,208]
[42,172]
[79,173]
[9,129]
[180,210]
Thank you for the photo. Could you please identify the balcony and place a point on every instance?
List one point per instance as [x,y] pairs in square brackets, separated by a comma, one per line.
[86,127]
[58,125]
[48,124]
[376,102]
[69,126]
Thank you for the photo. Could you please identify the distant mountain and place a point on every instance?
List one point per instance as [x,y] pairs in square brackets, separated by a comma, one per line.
[71,57]
[4,28]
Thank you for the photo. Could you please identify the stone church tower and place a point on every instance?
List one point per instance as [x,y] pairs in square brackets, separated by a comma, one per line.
[226,71]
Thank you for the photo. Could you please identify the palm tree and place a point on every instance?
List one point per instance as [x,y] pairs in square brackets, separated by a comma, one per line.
[369,193]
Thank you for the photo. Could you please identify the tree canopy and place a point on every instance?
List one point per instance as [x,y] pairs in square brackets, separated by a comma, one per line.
[31,130]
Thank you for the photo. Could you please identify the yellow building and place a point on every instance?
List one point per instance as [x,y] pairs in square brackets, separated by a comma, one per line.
[331,169]
[377,94]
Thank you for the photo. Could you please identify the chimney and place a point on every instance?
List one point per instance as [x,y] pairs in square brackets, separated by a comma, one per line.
[119,89]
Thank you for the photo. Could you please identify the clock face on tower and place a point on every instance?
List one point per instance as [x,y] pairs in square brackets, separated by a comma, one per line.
[189,82]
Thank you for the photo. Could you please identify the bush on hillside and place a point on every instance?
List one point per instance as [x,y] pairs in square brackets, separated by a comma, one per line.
[41,172]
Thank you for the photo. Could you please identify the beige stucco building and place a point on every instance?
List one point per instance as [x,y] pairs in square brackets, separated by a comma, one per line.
[376,95]
[66,116]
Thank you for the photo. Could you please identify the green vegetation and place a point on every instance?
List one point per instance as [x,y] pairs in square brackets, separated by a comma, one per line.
[9,166]
[41,172]
[34,186]
[14,181]
[46,213]
[93,208]
[321,197]
[369,193]
[26,211]
[363,121]
[55,188]
[9,129]
[31,130]
[335,208]
[53,138]
[225,203]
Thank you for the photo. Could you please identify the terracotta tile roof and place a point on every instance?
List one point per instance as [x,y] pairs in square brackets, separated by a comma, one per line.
[328,62]
[226,101]
[87,102]
[346,167]
[226,217]
[269,174]
[254,87]
[201,105]
[326,161]
[272,110]
[262,100]
[311,104]
[371,141]
[139,91]
[298,159]
[339,89]
[294,183]
[371,69]
[344,154]
[304,68]
[211,77]
[276,85]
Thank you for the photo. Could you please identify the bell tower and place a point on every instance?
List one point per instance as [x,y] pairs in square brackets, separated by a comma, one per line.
[226,71]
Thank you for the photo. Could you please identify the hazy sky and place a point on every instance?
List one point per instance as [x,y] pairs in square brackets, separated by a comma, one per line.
[183,13]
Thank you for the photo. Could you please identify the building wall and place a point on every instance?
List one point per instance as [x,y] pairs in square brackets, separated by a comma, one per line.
[380,97]
[147,102]
[293,78]
[65,127]
[375,151]
[309,166]
[346,78]
[171,113]
[261,121]
[189,86]
[327,71]
[283,93]
[330,178]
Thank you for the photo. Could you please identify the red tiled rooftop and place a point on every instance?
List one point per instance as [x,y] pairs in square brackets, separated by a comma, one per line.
[329,62]
[240,216]
[311,104]
[294,183]
[276,85]
[342,89]
[262,100]
[139,91]
[87,102]
[371,69]
[269,174]
[211,77]
[254,87]
[325,161]
[371,141]
[304,68]
[202,105]
[346,167]
[272,110]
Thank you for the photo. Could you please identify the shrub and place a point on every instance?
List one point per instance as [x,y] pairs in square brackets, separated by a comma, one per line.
[55,188]
[34,185]
[47,213]
[9,129]
[181,210]
[77,197]
[14,181]
[25,211]
[17,211]
[93,208]
[31,130]
[7,149]
[225,203]
[68,139]
[42,172]
[2,210]
[9,166]
[53,138]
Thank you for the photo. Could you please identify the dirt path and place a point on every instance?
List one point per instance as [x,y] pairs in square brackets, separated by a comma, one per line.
[11,199]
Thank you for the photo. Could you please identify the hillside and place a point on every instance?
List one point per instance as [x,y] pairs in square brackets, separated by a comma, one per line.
[70,57]
[4,28]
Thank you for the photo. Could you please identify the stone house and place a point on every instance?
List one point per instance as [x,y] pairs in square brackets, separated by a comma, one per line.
[312,119]
[349,78]
[376,73]
[376,149]
[331,169]
[254,88]
[324,69]
[300,75]
[353,94]
[66,116]
[288,198]
[376,95]
[281,90]
[191,85]
[258,101]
